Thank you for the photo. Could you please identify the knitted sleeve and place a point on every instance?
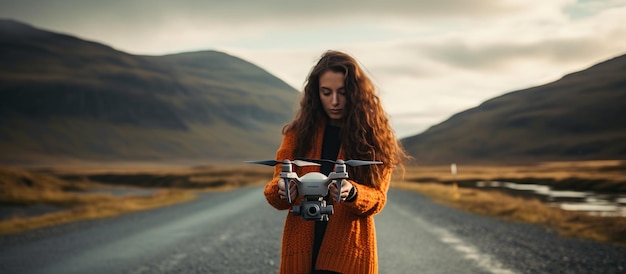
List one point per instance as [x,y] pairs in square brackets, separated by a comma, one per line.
[370,200]
[271,189]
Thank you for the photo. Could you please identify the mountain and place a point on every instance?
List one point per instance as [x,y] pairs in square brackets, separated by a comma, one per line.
[62,97]
[581,116]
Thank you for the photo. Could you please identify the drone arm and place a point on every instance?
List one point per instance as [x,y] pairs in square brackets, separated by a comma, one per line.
[271,189]
[285,151]
[338,184]
[288,182]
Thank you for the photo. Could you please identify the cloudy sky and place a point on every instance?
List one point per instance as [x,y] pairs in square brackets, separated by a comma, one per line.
[429,58]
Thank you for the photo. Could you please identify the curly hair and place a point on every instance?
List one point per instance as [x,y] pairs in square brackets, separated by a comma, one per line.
[365,134]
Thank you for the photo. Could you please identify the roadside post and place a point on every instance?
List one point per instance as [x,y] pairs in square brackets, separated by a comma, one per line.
[455,187]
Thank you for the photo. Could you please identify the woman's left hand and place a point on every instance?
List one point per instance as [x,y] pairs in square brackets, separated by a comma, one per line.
[346,186]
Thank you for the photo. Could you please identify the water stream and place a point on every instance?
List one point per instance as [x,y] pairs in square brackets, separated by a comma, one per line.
[598,204]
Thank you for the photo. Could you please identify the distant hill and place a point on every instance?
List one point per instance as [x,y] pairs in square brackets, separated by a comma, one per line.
[579,117]
[66,98]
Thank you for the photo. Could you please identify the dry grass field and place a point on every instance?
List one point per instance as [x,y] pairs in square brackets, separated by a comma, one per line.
[68,187]
[440,185]
[605,176]
[81,191]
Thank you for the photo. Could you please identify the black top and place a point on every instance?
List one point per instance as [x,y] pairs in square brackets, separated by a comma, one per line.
[330,150]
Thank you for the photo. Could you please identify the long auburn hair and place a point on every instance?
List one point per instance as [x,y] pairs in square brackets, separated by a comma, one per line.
[365,134]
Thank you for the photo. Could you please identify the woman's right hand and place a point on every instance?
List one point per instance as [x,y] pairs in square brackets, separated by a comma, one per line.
[293,189]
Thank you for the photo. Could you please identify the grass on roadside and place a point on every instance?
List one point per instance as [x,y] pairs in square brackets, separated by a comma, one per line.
[68,187]
[96,209]
[24,188]
[65,187]
[492,203]
[602,176]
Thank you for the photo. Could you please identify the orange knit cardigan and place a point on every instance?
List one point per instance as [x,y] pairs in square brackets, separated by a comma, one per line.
[349,244]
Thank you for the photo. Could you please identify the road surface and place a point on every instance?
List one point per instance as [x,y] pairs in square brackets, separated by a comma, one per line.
[238,232]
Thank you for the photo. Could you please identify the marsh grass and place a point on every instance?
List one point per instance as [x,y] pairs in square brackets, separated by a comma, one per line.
[94,209]
[68,188]
[438,184]
[605,176]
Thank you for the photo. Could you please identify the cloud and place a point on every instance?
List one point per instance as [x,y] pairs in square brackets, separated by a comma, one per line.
[429,58]
[165,25]
[500,55]
[251,11]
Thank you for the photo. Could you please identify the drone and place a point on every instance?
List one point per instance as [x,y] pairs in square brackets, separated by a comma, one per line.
[314,185]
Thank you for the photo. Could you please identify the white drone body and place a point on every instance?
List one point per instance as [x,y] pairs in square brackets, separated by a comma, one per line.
[313,186]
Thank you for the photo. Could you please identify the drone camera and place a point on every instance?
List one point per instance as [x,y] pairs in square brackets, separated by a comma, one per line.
[313,210]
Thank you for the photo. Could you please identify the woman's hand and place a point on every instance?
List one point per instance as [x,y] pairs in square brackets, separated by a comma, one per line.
[346,186]
[293,189]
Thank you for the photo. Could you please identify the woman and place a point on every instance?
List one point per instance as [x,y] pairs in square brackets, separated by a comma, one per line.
[340,117]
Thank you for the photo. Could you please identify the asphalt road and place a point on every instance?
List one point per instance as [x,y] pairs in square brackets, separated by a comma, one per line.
[237,232]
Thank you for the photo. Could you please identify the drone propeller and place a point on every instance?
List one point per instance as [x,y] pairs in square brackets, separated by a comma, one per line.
[274,162]
[347,162]
[362,163]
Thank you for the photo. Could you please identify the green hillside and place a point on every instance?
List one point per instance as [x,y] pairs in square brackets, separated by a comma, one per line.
[66,98]
[579,117]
